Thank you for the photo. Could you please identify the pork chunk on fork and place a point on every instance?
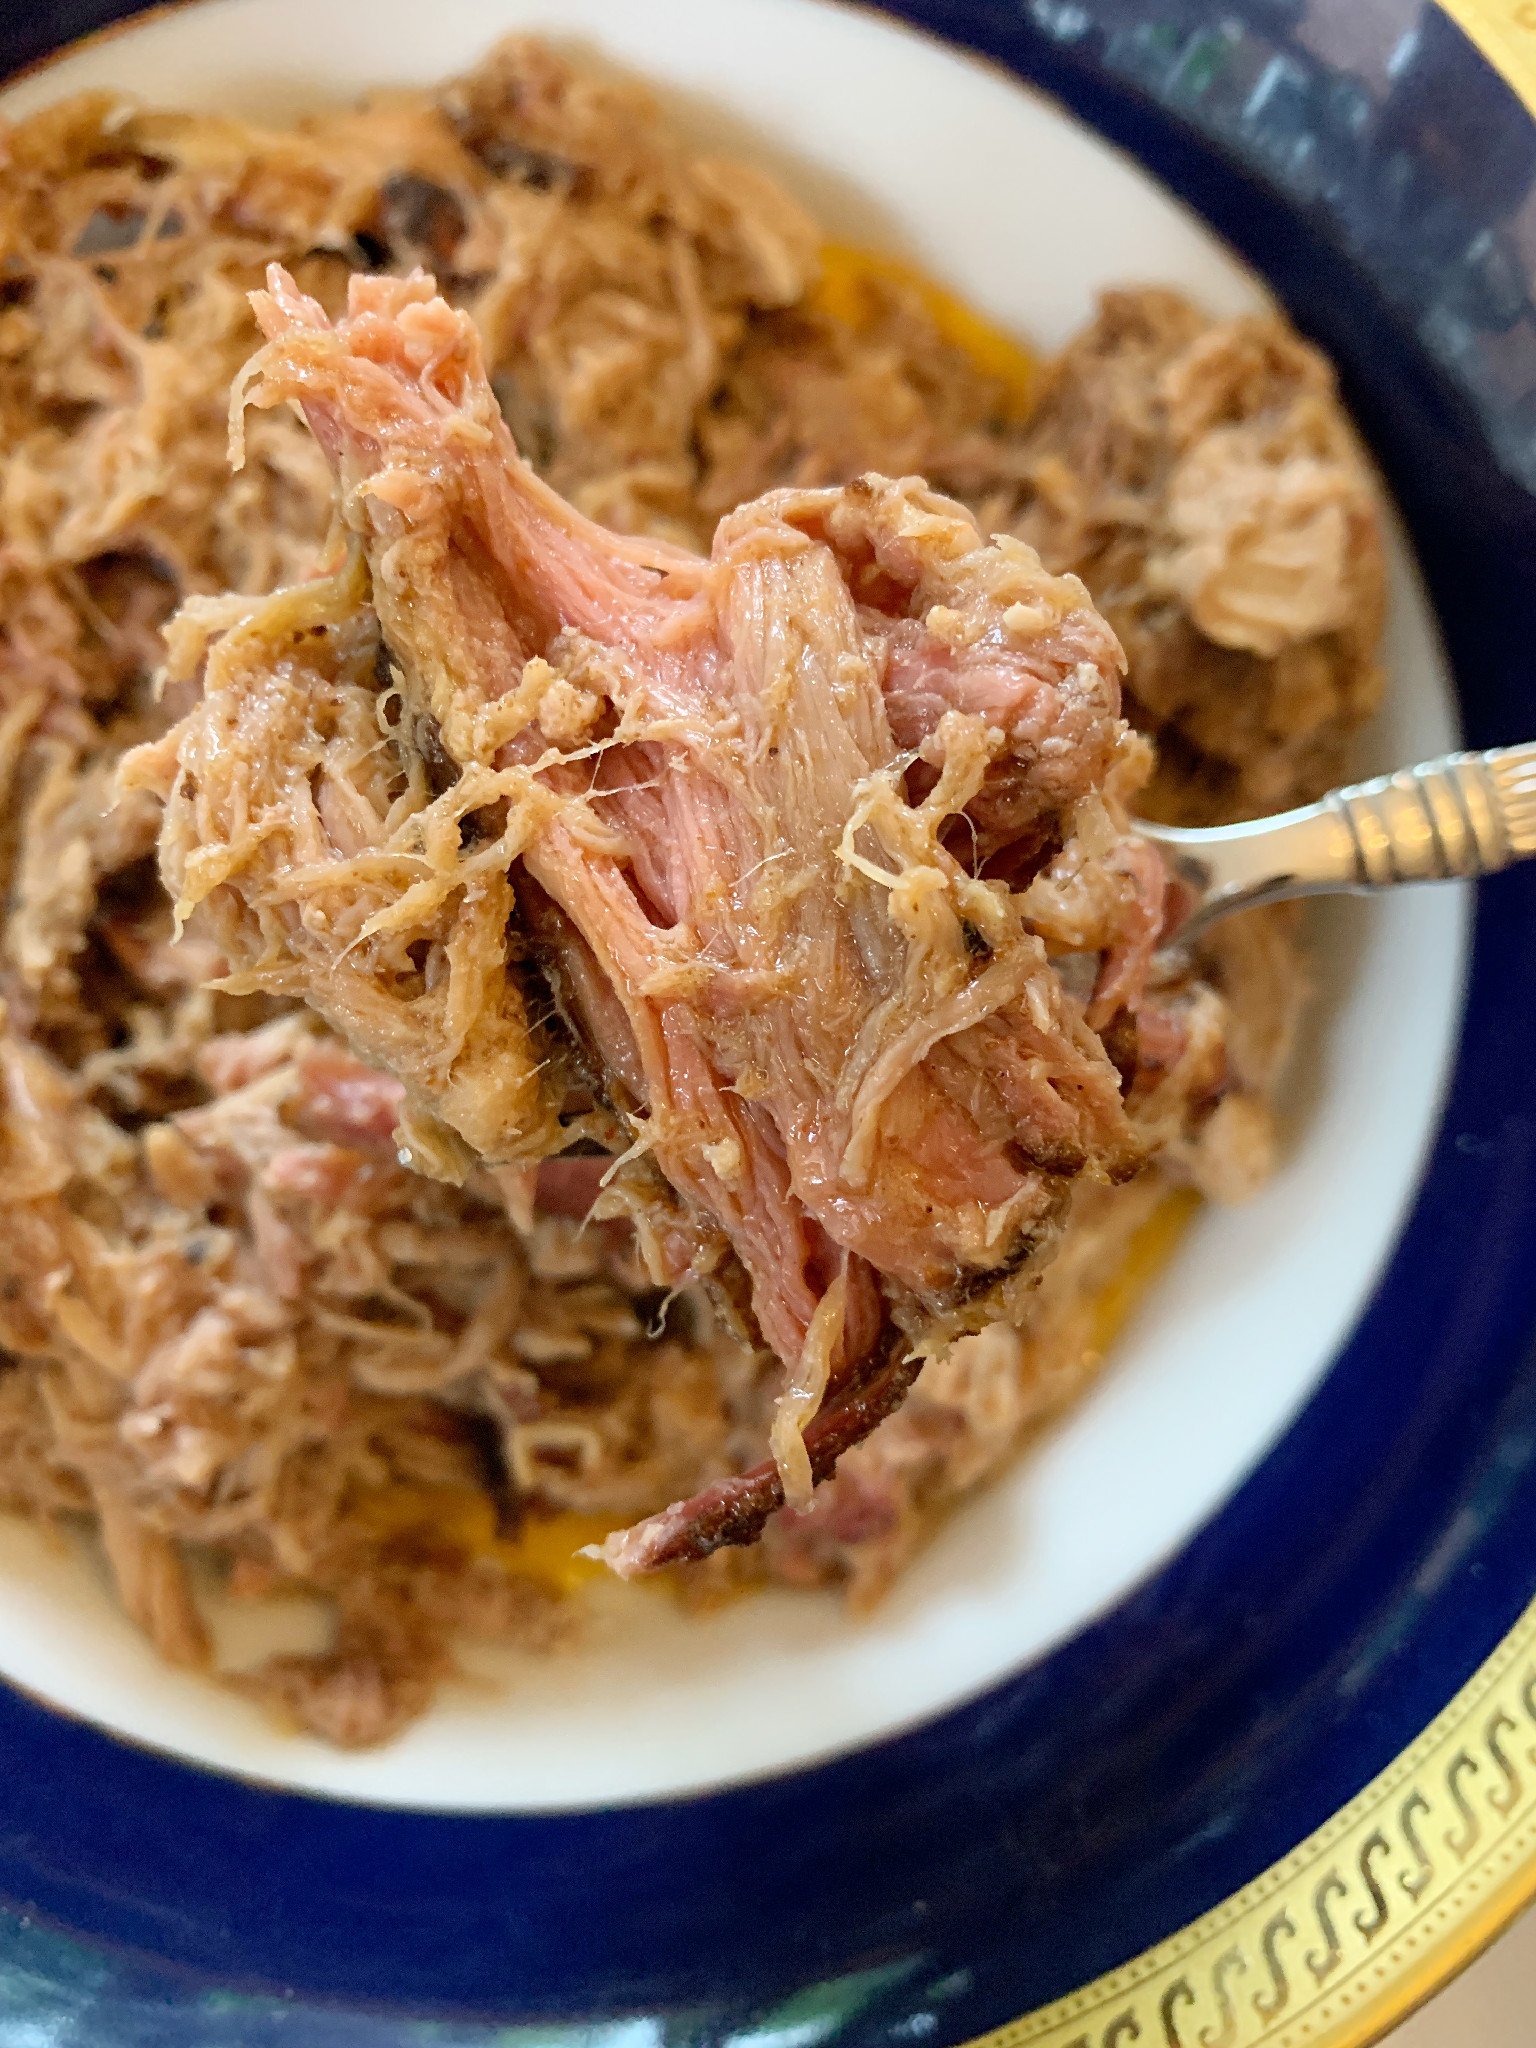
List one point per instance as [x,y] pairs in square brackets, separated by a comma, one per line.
[791,873]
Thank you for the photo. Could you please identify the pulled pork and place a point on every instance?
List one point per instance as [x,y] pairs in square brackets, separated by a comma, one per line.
[1205,484]
[768,803]
[240,1342]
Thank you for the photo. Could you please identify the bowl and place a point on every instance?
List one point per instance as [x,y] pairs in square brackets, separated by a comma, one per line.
[1216,1720]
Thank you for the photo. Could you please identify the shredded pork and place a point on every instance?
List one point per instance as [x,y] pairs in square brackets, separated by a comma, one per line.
[767,801]
[242,1341]
[1248,587]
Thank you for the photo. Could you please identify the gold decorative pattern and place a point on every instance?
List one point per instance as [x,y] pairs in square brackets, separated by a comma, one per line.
[1343,1937]
[1335,1944]
[1339,1941]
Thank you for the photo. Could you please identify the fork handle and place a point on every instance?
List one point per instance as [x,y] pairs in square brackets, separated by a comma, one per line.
[1456,818]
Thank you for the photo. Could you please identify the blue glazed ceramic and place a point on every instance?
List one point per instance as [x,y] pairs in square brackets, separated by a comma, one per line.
[958,1872]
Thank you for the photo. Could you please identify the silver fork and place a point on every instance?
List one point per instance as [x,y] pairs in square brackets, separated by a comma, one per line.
[1456,818]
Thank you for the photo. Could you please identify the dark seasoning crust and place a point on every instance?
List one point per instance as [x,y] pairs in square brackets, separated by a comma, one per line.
[241,1341]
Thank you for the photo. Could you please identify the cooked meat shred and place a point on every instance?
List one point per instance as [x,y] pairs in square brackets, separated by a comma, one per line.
[843,1044]
[1206,485]
[241,1341]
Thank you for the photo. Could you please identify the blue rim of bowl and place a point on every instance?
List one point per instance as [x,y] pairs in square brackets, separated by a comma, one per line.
[994,1859]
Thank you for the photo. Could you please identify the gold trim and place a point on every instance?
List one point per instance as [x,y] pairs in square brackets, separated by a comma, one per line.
[1505,32]
[1343,1938]
[1338,1942]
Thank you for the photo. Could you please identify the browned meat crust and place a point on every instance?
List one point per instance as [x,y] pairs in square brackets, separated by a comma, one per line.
[735,1510]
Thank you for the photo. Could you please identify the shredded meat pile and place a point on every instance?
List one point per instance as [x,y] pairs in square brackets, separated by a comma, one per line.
[241,1339]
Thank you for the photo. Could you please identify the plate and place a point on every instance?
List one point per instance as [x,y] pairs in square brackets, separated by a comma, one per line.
[1239,1582]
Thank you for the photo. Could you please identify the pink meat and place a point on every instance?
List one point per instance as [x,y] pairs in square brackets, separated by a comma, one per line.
[765,784]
